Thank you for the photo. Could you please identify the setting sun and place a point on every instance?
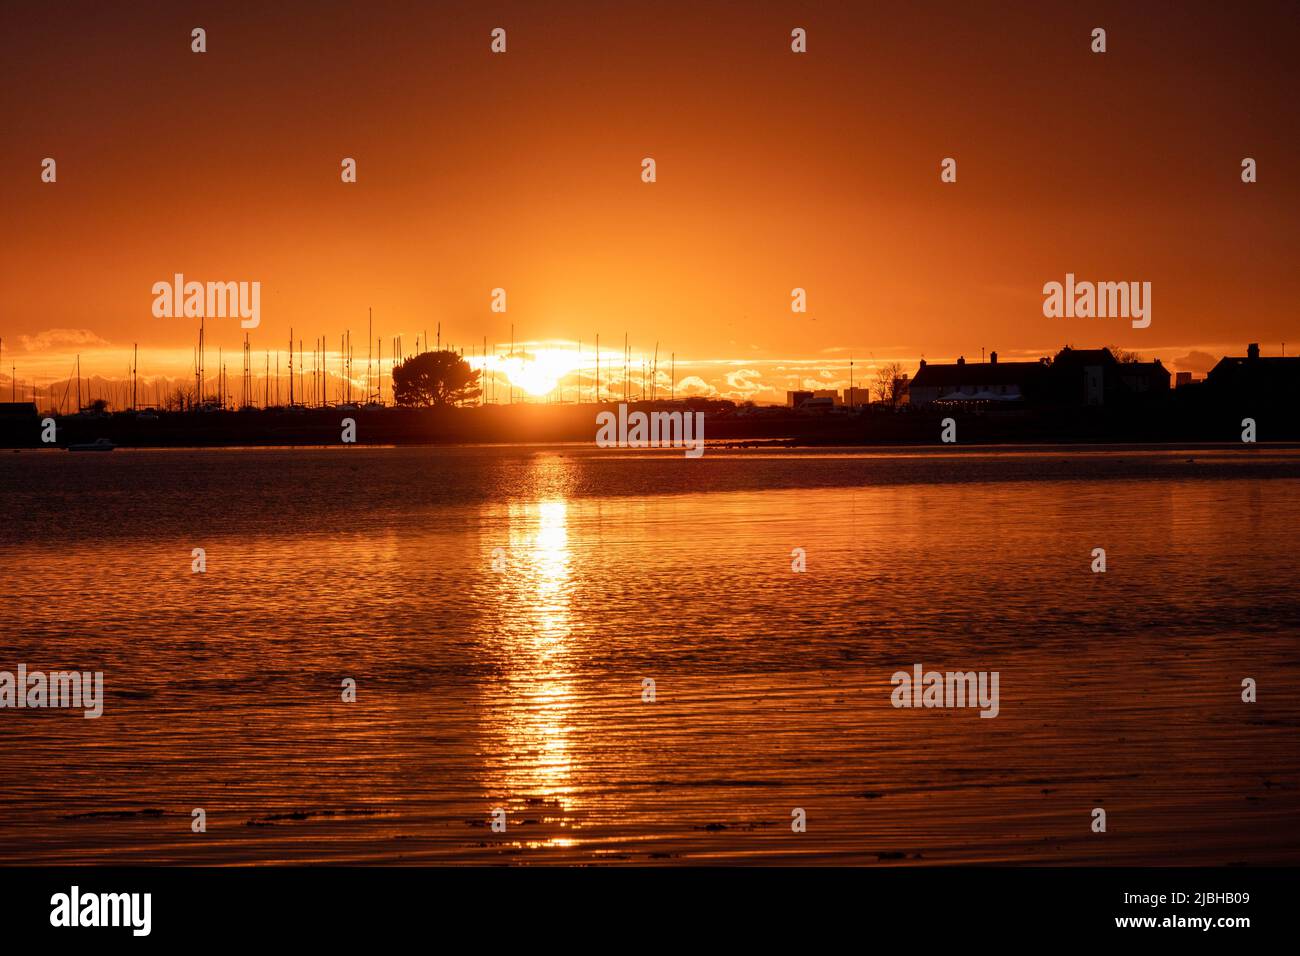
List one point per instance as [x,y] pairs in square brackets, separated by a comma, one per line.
[538,372]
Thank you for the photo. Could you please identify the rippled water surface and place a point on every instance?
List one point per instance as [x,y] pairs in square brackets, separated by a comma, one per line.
[513,678]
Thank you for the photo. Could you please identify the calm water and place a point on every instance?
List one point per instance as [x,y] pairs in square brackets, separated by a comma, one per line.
[521,689]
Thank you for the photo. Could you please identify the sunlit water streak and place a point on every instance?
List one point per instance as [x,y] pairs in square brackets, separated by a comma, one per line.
[521,688]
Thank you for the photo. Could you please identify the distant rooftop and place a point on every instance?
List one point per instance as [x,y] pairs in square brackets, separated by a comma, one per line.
[977,373]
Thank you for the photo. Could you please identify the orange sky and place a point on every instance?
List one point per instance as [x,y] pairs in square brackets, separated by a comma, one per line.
[522,171]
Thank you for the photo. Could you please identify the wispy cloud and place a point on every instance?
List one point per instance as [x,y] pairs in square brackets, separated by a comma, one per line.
[58,338]
[695,386]
[744,383]
[1195,361]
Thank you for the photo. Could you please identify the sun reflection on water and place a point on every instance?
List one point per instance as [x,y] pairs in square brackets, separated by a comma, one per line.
[527,757]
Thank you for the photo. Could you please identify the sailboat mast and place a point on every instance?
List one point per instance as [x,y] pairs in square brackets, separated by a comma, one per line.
[654,374]
[198,367]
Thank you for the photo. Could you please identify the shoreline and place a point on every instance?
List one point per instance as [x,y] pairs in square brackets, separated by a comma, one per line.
[901,449]
[725,426]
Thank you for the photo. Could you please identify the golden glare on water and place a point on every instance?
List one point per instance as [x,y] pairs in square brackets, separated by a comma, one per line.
[503,645]
[530,719]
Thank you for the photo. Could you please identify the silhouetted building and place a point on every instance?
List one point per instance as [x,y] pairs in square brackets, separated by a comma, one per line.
[818,403]
[1095,377]
[1272,380]
[1074,377]
[819,399]
[1140,379]
[990,381]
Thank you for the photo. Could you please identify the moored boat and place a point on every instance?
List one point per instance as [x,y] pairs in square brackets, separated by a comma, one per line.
[99,444]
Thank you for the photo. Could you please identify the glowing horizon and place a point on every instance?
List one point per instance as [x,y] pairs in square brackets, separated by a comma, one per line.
[536,370]
[521,172]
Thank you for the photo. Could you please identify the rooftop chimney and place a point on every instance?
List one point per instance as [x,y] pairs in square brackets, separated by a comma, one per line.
[961,360]
[922,363]
[993,357]
[1252,350]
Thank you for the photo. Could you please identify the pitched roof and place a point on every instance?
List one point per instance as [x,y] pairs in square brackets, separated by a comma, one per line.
[1085,356]
[978,374]
[1273,369]
[1142,368]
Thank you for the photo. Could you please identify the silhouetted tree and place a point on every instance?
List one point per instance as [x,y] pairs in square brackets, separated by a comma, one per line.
[435,378]
[1124,356]
[179,399]
[889,384]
